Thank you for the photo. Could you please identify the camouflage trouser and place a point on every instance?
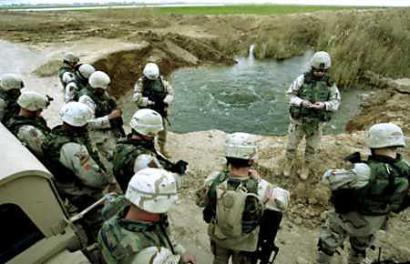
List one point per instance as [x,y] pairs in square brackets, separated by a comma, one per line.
[311,131]
[222,255]
[360,230]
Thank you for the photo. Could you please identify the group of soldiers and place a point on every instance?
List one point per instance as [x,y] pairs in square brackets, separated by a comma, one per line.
[90,155]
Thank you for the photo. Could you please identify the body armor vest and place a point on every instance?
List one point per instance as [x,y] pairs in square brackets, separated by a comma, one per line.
[124,156]
[65,68]
[156,92]
[386,191]
[16,122]
[104,104]
[388,186]
[12,108]
[56,140]
[314,91]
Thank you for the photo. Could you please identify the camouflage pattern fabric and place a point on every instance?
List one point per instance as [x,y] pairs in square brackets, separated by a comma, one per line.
[32,132]
[8,105]
[121,240]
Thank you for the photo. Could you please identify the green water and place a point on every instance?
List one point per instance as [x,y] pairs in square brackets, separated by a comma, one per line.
[249,97]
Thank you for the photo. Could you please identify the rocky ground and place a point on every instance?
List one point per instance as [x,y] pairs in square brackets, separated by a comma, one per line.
[121,45]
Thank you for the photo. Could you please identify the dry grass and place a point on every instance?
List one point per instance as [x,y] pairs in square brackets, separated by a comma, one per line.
[379,42]
[358,41]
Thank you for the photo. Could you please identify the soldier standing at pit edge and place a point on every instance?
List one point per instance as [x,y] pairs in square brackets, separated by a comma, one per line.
[70,61]
[365,195]
[152,91]
[313,98]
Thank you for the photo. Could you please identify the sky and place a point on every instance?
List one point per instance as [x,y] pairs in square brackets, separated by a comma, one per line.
[302,2]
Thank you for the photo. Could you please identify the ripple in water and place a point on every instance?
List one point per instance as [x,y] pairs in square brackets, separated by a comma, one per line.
[249,97]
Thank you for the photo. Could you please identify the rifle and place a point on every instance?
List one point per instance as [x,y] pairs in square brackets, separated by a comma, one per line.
[118,123]
[179,167]
[267,251]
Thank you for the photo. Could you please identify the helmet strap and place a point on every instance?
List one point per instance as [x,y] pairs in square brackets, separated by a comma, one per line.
[137,214]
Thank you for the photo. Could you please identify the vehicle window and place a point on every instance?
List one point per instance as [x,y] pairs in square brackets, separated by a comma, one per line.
[17,231]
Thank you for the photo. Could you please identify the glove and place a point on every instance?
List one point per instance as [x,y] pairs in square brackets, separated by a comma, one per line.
[146,102]
[180,167]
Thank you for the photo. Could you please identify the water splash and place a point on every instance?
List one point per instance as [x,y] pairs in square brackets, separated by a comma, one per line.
[251,55]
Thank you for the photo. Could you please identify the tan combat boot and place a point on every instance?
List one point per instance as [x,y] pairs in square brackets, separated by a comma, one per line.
[305,171]
[288,167]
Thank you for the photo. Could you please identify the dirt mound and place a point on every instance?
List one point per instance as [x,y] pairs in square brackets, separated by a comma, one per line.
[168,51]
[388,101]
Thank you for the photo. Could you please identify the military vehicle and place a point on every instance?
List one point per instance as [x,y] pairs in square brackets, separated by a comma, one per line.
[34,225]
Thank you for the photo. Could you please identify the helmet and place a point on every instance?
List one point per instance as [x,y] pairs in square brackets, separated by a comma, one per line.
[32,101]
[156,255]
[70,58]
[151,71]
[10,81]
[153,190]
[76,114]
[147,122]
[85,70]
[68,77]
[385,135]
[99,79]
[321,60]
[240,146]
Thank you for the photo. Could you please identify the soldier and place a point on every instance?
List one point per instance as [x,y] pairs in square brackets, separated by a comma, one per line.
[152,91]
[137,151]
[364,195]
[29,126]
[106,126]
[235,201]
[70,62]
[77,81]
[140,222]
[10,86]
[313,98]
[79,174]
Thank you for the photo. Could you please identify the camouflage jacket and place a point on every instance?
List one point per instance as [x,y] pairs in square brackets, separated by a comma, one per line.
[121,240]
[32,132]
[125,154]
[63,69]
[306,87]
[76,167]
[8,106]
[387,188]
[373,187]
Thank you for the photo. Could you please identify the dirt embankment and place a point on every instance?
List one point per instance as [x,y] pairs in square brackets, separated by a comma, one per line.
[375,40]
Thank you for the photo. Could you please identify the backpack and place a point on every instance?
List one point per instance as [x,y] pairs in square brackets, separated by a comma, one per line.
[234,212]
[238,211]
